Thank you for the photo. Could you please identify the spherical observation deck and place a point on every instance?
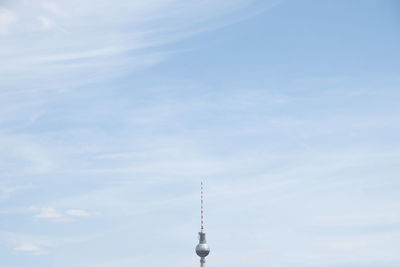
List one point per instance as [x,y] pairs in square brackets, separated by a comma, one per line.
[202,249]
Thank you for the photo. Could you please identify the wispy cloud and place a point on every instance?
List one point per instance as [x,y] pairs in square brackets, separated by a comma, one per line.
[30,248]
[60,216]
[50,213]
[94,43]
[77,213]
[37,245]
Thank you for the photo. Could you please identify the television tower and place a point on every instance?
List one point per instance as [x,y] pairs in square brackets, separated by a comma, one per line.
[202,249]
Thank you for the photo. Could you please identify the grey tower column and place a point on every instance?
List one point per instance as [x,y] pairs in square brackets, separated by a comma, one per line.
[202,261]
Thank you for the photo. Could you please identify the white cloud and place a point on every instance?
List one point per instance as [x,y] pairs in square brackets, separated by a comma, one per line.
[37,245]
[59,216]
[77,213]
[49,213]
[7,19]
[30,248]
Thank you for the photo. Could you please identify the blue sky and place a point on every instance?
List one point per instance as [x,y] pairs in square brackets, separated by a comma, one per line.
[112,114]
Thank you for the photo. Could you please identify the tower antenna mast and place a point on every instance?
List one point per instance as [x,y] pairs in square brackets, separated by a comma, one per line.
[202,209]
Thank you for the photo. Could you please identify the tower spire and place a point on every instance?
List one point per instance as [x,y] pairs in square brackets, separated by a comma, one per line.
[202,209]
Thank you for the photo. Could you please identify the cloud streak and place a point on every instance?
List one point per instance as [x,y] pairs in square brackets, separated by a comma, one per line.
[30,248]
[94,44]
[57,216]
[33,244]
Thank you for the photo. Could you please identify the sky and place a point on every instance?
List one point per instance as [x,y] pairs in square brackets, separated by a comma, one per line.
[113,112]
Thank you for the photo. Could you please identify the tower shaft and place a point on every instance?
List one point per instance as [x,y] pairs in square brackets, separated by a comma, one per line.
[202,262]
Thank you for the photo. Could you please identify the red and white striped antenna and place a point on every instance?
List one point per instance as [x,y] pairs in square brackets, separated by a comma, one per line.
[202,209]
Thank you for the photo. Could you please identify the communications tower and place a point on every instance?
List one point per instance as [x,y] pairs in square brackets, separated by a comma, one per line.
[202,249]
